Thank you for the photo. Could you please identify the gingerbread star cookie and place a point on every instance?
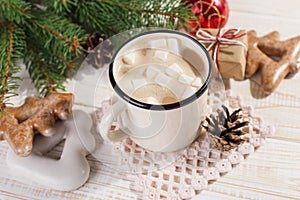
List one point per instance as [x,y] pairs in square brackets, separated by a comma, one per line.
[275,58]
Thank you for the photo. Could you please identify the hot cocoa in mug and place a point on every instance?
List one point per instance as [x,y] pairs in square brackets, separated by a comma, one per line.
[161,80]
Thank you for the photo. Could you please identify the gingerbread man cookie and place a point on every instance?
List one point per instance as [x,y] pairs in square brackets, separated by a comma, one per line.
[275,58]
[19,124]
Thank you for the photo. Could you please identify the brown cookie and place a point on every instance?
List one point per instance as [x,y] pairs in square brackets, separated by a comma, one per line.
[273,57]
[19,124]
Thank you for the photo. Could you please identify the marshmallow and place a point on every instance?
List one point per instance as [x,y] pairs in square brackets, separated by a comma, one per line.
[173,70]
[137,83]
[129,58]
[173,45]
[151,72]
[162,79]
[197,82]
[189,91]
[176,88]
[158,43]
[162,55]
[124,68]
[185,79]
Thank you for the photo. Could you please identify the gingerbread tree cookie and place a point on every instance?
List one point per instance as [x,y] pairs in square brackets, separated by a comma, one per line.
[18,124]
[273,57]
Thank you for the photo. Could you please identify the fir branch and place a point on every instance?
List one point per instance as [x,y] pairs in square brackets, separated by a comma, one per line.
[72,42]
[153,12]
[56,32]
[54,47]
[43,75]
[47,71]
[4,79]
[113,16]
[15,11]
[12,47]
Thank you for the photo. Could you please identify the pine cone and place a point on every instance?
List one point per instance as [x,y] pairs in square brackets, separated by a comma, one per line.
[97,56]
[226,131]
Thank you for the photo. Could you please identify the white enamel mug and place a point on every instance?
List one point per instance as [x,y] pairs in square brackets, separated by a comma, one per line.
[166,127]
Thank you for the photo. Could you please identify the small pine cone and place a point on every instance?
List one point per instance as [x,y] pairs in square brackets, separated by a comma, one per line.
[222,144]
[92,41]
[96,55]
[226,130]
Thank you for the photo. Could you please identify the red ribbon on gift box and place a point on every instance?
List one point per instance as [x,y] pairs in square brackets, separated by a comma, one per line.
[224,36]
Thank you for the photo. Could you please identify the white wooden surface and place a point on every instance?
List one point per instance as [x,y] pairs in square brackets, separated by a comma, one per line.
[273,172]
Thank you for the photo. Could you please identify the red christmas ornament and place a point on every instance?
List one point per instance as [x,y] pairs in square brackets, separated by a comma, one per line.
[209,14]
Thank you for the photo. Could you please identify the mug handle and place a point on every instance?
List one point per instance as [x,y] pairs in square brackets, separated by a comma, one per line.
[107,120]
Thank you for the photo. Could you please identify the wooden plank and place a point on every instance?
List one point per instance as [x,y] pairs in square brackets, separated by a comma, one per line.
[273,8]
[280,109]
[91,190]
[264,24]
[267,174]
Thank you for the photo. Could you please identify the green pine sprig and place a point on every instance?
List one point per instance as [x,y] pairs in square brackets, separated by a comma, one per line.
[11,49]
[53,48]
[113,16]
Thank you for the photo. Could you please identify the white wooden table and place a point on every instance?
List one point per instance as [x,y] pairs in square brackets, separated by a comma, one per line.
[272,172]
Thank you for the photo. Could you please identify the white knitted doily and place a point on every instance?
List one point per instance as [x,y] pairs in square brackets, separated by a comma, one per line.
[197,165]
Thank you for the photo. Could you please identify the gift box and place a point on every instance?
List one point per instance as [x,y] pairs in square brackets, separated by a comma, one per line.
[228,49]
